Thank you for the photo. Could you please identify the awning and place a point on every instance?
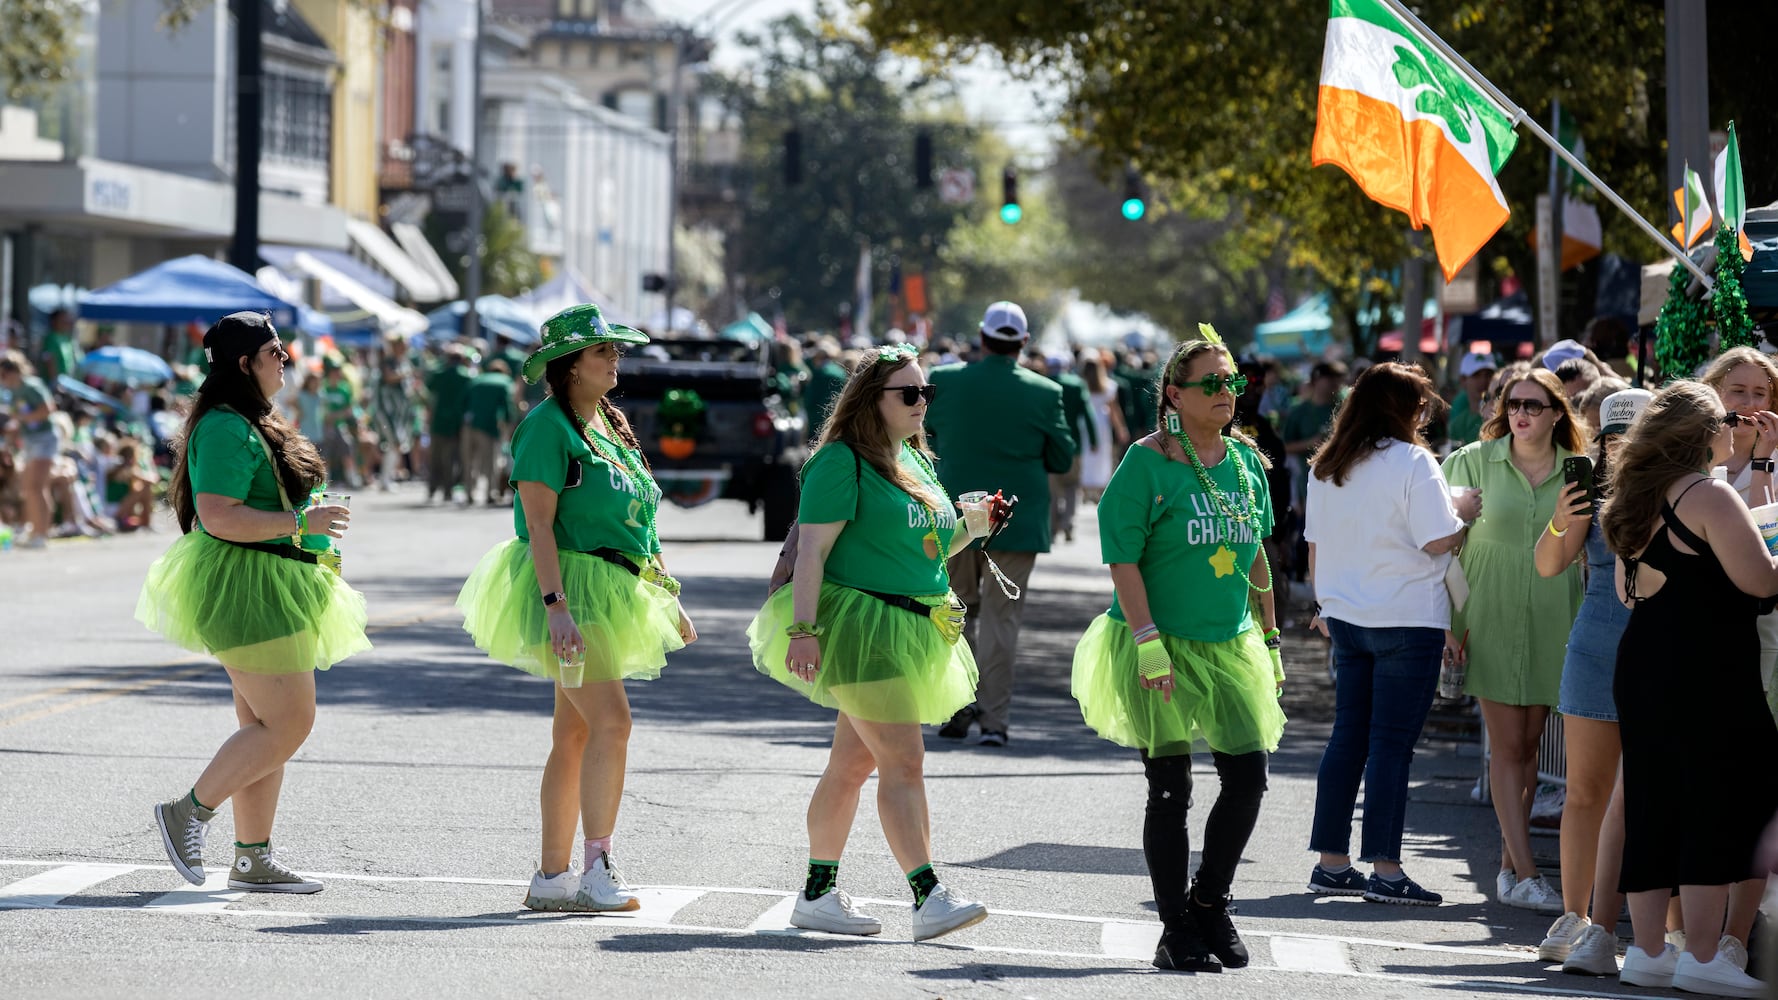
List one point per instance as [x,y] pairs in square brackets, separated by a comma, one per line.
[396,319]
[420,249]
[383,252]
[283,257]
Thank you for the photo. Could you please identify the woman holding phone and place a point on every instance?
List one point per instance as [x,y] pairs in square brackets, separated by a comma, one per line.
[1517,622]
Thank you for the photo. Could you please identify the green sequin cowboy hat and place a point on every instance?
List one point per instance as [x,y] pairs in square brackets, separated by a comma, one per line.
[576,328]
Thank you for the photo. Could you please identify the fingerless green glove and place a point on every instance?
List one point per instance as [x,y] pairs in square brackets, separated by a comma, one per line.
[1152,660]
[1278,669]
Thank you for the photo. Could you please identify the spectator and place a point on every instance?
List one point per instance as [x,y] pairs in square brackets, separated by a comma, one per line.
[1576,376]
[1065,486]
[129,488]
[61,351]
[1491,398]
[1110,433]
[448,388]
[1474,372]
[826,378]
[32,407]
[490,413]
[339,420]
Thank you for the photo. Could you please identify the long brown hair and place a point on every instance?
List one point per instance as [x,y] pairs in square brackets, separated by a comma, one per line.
[1384,405]
[295,460]
[1669,441]
[857,421]
[559,375]
[1566,434]
[1173,373]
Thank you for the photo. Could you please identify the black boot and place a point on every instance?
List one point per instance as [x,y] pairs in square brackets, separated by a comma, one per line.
[1182,949]
[958,727]
[1217,931]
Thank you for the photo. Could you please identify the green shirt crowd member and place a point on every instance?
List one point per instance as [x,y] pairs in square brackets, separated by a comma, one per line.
[1075,411]
[489,402]
[1156,514]
[32,395]
[886,547]
[826,379]
[598,505]
[61,355]
[449,389]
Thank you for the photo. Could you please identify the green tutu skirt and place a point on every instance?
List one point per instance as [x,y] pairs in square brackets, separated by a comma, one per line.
[1224,697]
[878,663]
[254,611]
[629,626]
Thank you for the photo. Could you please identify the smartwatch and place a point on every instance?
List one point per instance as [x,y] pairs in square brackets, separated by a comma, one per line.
[1762,465]
[554,598]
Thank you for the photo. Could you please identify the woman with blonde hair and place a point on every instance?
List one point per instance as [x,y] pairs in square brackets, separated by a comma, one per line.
[1694,571]
[869,626]
[1515,621]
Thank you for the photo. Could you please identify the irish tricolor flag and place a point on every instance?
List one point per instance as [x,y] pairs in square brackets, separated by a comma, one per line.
[1411,129]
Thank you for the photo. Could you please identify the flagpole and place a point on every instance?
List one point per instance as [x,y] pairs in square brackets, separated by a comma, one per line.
[1520,117]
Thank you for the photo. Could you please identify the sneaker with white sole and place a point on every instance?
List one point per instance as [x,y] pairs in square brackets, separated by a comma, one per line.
[1677,939]
[1593,953]
[256,870]
[1403,891]
[183,826]
[603,890]
[1535,894]
[1562,936]
[834,912]
[550,893]
[1654,971]
[1503,884]
[1733,950]
[943,913]
[1717,977]
[1347,883]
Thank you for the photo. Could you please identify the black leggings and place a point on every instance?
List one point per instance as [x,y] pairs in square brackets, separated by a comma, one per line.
[1166,843]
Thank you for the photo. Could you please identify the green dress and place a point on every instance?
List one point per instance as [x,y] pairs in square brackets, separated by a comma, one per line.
[1517,622]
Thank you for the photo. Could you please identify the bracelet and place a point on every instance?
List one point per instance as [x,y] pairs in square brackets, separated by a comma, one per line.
[804,630]
[1271,634]
[302,522]
[1145,633]
[1766,465]
[1553,530]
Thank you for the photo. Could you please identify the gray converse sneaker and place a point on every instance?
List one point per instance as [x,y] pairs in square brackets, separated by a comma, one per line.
[602,890]
[552,892]
[183,825]
[256,870]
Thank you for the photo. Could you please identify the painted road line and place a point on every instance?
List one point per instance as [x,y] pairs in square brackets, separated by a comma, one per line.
[47,889]
[1305,954]
[211,897]
[660,906]
[776,918]
[1129,940]
[108,694]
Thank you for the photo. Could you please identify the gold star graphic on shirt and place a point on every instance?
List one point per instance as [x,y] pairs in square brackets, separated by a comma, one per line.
[635,508]
[1223,561]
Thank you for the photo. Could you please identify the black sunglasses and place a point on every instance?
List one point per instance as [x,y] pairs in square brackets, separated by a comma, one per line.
[912,394]
[1733,419]
[1532,407]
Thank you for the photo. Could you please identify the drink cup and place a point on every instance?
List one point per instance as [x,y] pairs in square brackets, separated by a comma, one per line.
[1459,492]
[1766,516]
[976,506]
[1450,679]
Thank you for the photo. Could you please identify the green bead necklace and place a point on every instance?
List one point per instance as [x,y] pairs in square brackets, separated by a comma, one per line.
[1250,509]
[632,470]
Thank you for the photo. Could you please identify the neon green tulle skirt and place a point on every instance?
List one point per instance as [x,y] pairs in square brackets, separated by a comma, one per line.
[1224,697]
[255,611]
[629,626]
[878,663]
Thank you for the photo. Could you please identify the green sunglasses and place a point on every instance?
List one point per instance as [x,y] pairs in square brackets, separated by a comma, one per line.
[1216,382]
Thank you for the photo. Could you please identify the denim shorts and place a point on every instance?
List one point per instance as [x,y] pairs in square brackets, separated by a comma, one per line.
[42,445]
[1590,665]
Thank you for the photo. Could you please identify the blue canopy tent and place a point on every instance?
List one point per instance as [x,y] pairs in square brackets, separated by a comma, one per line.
[1302,331]
[194,289]
[753,328]
[499,316]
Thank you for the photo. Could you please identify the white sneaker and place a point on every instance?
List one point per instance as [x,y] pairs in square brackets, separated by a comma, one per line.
[1593,953]
[1503,884]
[552,892]
[833,912]
[1641,969]
[1563,933]
[1717,977]
[1677,939]
[1733,950]
[1536,895]
[603,890]
[943,913]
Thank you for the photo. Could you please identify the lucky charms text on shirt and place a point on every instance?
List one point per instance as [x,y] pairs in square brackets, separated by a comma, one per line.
[1209,526]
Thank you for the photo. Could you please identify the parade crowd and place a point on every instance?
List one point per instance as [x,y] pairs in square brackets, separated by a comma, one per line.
[1553,540]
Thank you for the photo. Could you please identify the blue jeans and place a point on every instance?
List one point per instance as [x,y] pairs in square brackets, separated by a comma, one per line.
[1386,679]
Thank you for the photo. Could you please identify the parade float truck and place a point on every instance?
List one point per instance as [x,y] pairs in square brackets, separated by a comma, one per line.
[715,426]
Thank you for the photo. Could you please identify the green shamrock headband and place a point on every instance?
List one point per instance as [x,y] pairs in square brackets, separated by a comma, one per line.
[895,352]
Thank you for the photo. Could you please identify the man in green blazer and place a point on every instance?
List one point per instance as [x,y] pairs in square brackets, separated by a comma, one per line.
[1065,486]
[997,426]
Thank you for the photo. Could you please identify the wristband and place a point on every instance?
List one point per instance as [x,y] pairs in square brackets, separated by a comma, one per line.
[554,598]
[302,523]
[804,630]
[1556,533]
[1152,660]
[1765,465]
[1146,632]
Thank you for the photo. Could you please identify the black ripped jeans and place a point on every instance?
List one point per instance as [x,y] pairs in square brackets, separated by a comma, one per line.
[1166,844]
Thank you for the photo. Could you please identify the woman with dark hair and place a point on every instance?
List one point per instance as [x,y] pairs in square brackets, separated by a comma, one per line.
[869,626]
[1517,622]
[1179,662]
[1381,528]
[580,596]
[1694,571]
[242,588]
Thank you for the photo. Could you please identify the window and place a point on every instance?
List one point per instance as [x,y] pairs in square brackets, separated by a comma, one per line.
[297,119]
[637,105]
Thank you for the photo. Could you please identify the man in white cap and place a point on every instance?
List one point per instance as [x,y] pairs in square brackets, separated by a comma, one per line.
[998,426]
[1474,372]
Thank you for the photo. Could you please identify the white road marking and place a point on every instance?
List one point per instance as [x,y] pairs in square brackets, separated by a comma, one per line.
[211,897]
[660,906]
[1305,954]
[46,889]
[1129,940]
[776,918]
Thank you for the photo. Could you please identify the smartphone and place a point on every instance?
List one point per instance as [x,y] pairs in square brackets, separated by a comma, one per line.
[1578,469]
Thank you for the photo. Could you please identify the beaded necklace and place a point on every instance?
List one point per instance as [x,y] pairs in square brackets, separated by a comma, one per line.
[931,480]
[632,471]
[1250,506]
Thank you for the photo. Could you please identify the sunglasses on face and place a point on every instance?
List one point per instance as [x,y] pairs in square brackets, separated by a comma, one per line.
[1531,407]
[911,395]
[1733,419]
[1216,382]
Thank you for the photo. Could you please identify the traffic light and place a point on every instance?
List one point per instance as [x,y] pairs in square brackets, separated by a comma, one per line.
[1010,212]
[793,158]
[1135,206]
[922,159]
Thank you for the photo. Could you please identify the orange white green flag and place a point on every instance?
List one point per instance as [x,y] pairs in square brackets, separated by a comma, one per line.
[1415,133]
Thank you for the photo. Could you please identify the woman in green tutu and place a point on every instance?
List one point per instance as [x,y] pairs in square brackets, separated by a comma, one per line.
[1179,662]
[241,588]
[869,626]
[580,596]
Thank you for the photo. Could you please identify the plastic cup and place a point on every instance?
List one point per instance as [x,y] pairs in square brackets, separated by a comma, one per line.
[1766,516]
[977,506]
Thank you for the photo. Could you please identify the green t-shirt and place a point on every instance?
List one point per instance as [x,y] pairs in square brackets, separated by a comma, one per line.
[1465,423]
[32,394]
[489,402]
[338,398]
[884,546]
[61,354]
[449,387]
[597,504]
[1306,420]
[1156,514]
[225,457]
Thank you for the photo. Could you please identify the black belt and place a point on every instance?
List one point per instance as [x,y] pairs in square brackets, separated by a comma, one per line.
[286,551]
[901,601]
[615,558]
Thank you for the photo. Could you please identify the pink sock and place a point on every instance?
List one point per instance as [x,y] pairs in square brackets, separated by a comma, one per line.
[595,846]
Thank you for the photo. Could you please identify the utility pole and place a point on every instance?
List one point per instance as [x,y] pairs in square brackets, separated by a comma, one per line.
[472,276]
[1549,243]
[243,251]
[1413,297]
[1688,93]
[681,38]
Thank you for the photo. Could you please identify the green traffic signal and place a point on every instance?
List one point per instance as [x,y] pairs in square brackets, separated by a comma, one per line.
[1134,208]
[1011,213]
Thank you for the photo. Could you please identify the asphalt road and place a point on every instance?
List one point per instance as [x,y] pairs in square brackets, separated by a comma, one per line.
[416,797]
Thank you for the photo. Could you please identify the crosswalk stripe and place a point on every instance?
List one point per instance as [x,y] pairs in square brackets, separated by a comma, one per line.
[46,889]
[1302,954]
[1127,940]
[776,917]
[660,906]
[211,897]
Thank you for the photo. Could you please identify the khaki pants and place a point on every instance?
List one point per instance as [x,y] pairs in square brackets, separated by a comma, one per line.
[1064,500]
[481,460]
[993,627]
